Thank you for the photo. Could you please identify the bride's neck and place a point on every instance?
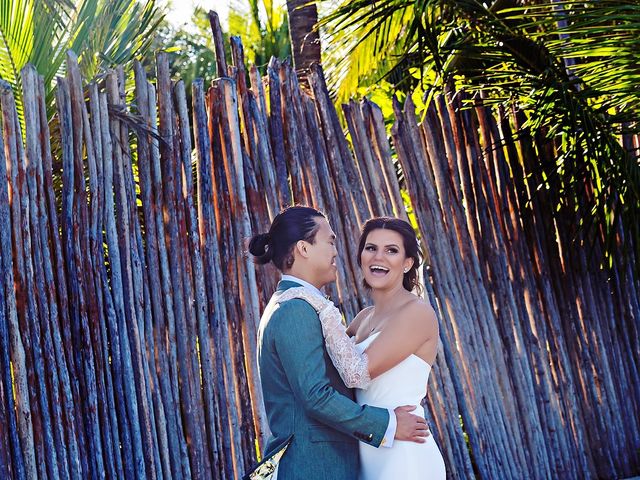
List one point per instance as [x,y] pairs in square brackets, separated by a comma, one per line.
[386,300]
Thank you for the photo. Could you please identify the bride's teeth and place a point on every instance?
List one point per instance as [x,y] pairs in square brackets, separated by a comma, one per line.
[376,268]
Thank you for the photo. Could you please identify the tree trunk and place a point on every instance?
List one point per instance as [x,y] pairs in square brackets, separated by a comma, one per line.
[305,41]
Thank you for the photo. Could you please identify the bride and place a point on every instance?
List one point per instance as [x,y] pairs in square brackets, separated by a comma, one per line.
[388,349]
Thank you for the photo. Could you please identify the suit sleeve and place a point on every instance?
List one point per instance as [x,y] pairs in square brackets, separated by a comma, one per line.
[299,343]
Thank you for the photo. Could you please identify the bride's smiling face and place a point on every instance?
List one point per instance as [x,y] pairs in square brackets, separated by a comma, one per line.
[383,259]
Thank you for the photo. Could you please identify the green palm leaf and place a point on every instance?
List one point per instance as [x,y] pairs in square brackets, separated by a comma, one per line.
[571,66]
[102,32]
[263,27]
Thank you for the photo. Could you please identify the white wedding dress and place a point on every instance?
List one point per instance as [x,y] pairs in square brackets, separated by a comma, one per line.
[404,384]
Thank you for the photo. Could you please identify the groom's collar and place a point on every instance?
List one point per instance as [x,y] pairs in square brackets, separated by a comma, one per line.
[289,281]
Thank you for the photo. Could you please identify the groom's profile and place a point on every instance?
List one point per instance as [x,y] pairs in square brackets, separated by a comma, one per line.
[305,398]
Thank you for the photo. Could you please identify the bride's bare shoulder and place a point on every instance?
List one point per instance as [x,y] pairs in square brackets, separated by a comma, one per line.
[419,314]
[357,320]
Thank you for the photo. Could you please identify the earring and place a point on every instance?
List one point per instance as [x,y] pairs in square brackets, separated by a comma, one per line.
[406,270]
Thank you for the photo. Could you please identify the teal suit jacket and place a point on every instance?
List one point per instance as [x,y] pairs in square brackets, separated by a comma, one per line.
[305,397]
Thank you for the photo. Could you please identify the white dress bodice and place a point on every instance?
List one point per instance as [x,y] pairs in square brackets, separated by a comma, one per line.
[404,384]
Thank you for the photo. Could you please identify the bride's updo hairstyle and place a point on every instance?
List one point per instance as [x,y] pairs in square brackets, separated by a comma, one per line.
[409,240]
[290,226]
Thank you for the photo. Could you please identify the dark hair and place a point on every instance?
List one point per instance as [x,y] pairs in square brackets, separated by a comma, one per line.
[409,240]
[290,225]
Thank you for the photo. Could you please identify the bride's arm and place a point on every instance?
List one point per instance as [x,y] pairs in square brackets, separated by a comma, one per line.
[414,325]
[351,364]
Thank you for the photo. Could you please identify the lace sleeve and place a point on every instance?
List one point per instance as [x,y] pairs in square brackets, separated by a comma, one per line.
[352,365]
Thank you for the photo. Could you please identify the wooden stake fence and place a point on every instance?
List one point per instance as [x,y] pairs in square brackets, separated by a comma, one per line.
[129,307]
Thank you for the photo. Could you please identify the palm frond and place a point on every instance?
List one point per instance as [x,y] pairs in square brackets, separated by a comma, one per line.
[572,66]
[363,52]
[101,32]
[263,26]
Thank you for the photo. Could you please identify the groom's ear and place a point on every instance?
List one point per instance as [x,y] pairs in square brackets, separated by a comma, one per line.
[301,247]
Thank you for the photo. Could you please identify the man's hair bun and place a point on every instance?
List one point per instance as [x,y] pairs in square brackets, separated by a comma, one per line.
[259,248]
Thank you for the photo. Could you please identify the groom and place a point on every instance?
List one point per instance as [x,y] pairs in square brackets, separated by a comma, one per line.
[303,393]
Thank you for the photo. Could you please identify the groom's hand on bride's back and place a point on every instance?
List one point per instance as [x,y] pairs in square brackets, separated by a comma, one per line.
[410,427]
